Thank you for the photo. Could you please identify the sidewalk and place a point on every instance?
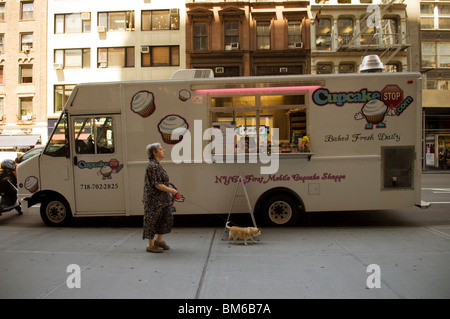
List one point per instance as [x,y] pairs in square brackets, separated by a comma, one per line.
[286,263]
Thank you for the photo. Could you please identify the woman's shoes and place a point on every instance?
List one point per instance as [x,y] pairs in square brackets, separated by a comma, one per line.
[154,249]
[162,245]
[158,247]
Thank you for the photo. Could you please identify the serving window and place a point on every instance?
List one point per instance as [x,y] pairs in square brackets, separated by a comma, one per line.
[254,118]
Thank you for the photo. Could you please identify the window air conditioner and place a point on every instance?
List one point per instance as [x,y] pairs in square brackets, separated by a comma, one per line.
[145,49]
[27,117]
[298,45]
[85,16]
[232,46]
[101,29]
[219,69]
[283,70]
[57,66]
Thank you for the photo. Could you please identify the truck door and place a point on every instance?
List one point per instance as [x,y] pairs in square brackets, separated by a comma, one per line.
[97,164]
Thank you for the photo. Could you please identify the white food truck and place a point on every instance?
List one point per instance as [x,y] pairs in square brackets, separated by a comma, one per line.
[302,143]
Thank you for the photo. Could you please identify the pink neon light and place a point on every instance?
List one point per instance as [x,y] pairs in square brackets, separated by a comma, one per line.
[259,90]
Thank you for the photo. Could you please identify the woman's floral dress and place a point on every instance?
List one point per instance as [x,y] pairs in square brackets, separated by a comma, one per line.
[158,218]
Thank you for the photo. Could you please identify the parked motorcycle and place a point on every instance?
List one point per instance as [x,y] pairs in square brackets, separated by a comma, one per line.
[8,188]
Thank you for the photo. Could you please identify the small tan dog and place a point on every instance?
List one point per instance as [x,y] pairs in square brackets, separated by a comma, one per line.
[243,233]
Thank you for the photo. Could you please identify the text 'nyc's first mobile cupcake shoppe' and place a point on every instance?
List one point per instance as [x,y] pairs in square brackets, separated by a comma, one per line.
[302,143]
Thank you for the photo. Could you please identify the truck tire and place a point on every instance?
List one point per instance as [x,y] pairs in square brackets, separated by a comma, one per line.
[56,212]
[280,210]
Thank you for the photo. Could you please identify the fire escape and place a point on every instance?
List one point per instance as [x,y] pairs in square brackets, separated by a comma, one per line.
[383,36]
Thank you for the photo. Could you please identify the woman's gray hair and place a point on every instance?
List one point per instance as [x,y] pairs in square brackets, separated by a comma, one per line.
[152,149]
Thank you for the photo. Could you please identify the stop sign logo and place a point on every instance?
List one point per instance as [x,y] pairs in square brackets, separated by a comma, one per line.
[392,95]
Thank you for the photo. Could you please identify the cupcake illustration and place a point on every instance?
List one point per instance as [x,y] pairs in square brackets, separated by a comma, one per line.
[106,171]
[168,125]
[184,95]
[374,112]
[31,184]
[143,103]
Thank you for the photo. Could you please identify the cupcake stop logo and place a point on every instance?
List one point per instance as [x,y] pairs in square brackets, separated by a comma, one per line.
[377,104]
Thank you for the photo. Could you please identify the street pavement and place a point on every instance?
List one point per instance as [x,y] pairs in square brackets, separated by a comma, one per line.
[378,255]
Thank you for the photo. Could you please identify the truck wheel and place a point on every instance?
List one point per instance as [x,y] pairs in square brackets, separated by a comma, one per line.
[56,212]
[280,210]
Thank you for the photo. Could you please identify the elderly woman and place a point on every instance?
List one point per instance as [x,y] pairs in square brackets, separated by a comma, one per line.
[158,219]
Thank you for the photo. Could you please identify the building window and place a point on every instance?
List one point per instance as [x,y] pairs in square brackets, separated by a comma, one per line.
[444,54]
[428,54]
[347,67]
[232,34]
[393,67]
[61,94]
[160,20]
[367,33]
[443,16]
[2,108]
[72,23]
[436,54]
[2,38]
[263,35]
[345,30]
[116,21]
[294,32]
[434,16]
[160,56]
[122,57]
[2,12]
[25,73]
[26,108]
[390,31]
[426,16]
[73,58]
[1,74]
[437,84]
[26,42]
[323,34]
[200,36]
[224,71]
[26,10]
[324,68]
[278,70]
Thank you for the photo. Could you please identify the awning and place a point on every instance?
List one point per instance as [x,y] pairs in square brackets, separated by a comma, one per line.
[18,141]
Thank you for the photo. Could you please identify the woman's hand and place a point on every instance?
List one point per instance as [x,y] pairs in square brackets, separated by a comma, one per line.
[165,188]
